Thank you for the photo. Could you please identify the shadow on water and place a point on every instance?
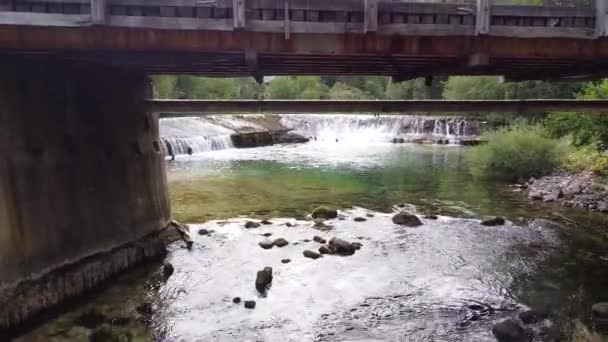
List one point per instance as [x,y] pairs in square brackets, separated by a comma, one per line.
[448,280]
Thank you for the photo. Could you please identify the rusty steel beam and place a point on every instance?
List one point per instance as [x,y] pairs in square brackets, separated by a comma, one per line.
[175,108]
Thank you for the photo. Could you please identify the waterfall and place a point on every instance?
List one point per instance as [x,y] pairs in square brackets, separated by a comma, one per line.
[197,134]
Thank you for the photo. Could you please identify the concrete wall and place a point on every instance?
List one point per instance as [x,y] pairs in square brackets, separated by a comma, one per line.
[81,171]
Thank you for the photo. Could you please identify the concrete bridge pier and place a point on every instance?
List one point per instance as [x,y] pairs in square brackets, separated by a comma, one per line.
[83,192]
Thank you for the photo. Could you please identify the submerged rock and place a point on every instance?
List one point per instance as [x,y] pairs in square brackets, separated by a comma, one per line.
[203,232]
[359,219]
[251,224]
[265,222]
[267,234]
[369,215]
[320,225]
[497,221]
[250,304]
[280,242]
[263,279]
[324,213]
[168,269]
[431,217]
[509,331]
[341,247]
[532,316]
[406,219]
[266,244]
[311,254]
[236,300]
[356,245]
[286,261]
[319,239]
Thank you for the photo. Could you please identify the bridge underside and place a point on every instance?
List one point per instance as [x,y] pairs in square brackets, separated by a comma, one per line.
[242,53]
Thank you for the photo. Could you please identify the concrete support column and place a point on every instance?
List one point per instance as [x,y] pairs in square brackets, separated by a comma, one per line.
[83,191]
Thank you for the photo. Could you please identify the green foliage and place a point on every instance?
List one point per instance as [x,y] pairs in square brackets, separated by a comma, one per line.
[491,88]
[297,87]
[586,158]
[342,91]
[164,87]
[519,151]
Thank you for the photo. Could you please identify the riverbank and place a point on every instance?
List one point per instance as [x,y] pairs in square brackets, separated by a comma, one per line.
[581,190]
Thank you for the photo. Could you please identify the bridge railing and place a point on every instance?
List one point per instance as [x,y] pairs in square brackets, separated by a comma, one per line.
[481,17]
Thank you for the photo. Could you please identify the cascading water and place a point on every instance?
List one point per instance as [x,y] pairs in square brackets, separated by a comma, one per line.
[197,134]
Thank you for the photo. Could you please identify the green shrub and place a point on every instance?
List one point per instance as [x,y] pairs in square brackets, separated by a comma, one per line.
[587,159]
[516,152]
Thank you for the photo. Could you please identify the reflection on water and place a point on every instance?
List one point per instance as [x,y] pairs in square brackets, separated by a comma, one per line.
[448,280]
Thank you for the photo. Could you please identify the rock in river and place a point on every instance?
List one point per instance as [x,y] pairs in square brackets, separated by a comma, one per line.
[532,316]
[266,244]
[250,304]
[311,254]
[319,239]
[280,242]
[341,247]
[325,250]
[509,331]
[497,221]
[236,300]
[359,219]
[320,225]
[286,261]
[265,222]
[203,232]
[263,279]
[251,224]
[168,269]
[599,313]
[324,213]
[406,219]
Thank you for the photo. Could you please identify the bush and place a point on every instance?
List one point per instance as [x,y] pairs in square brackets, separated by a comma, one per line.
[516,152]
[587,159]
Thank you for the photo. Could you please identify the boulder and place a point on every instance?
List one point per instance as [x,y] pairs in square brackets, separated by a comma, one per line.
[406,219]
[203,232]
[325,250]
[311,254]
[509,331]
[497,221]
[535,195]
[236,300]
[288,138]
[265,222]
[280,242]
[430,217]
[369,215]
[250,304]
[263,279]
[532,316]
[359,219]
[267,234]
[341,247]
[553,195]
[168,269]
[319,239]
[286,261]
[602,207]
[266,244]
[357,245]
[324,213]
[251,224]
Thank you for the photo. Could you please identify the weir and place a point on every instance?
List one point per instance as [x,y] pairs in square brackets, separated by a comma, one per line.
[83,192]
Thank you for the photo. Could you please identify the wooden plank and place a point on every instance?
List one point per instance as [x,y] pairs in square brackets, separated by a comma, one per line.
[370,21]
[426,30]
[482,17]
[44,19]
[601,18]
[542,32]
[238,14]
[98,12]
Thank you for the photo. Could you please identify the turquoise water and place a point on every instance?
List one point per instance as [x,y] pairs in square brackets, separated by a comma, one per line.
[406,284]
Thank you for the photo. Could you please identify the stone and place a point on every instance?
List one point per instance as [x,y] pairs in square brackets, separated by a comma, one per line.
[236,300]
[203,232]
[311,254]
[280,242]
[289,224]
[369,215]
[251,224]
[554,195]
[325,250]
[509,331]
[359,219]
[324,213]
[406,219]
[91,319]
[263,279]
[319,239]
[430,217]
[286,261]
[266,244]
[265,222]
[600,310]
[107,333]
[535,195]
[602,207]
[267,234]
[341,247]
[168,269]
[532,316]
[497,221]
[320,225]
[250,304]
[357,245]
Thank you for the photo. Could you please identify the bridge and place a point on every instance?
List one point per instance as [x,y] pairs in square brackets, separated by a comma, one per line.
[83,193]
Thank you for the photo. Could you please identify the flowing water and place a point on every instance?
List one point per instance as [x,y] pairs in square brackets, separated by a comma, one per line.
[447,280]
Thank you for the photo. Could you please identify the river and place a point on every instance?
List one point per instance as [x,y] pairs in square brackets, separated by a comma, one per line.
[447,280]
